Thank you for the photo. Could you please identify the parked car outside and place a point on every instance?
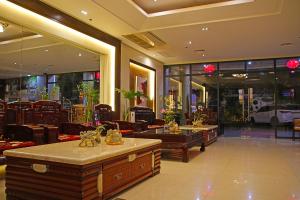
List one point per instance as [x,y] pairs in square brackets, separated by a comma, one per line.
[285,114]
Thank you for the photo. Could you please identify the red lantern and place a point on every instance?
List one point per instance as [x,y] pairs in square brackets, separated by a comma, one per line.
[292,64]
[210,68]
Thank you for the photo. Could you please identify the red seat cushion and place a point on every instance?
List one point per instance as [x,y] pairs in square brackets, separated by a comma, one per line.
[5,145]
[65,138]
[124,132]
[155,126]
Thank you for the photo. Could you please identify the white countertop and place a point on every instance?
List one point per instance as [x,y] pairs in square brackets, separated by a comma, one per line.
[71,153]
[202,128]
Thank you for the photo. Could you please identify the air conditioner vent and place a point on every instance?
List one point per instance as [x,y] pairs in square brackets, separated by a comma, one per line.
[147,40]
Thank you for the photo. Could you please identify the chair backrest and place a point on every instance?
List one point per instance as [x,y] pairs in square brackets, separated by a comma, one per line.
[103,112]
[15,111]
[3,109]
[296,122]
[143,113]
[18,133]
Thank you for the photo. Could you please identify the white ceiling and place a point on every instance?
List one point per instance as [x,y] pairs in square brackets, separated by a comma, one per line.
[254,29]
[22,55]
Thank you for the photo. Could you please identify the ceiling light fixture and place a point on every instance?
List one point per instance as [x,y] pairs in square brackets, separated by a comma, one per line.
[203,55]
[79,54]
[190,42]
[205,29]
[249,62]
[3,26]
[240,75]
[84,12]
[46,50]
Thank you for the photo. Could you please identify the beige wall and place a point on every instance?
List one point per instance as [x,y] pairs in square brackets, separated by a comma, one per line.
[127,54]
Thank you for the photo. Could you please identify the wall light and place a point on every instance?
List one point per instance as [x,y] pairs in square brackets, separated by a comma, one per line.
[3,27]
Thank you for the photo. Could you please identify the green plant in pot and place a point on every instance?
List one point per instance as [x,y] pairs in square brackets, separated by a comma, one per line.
[128,95]
[90,96]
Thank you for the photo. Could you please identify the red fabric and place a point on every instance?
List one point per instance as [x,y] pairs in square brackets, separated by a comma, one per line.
[5,145]
[155,126]
[65,138]
[124,132]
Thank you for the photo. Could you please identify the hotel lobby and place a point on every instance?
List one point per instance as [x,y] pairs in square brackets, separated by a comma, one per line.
[150,99]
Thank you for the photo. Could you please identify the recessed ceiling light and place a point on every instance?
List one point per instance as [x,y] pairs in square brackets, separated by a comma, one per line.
[190,42]
[79,54]
[15,63]
[249,62]
[84,12]
[203,55]
[204,28]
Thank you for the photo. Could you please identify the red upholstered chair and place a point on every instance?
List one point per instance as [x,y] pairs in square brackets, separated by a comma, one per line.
[71,131]
[146,114]
[105,115]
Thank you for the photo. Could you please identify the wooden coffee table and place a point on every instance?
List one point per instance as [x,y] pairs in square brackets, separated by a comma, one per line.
[177,144]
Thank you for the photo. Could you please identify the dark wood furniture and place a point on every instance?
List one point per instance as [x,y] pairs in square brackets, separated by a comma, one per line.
[45,112]
[146,114]
[177,144]
[42,175]
[209,132]
[296,127]
[3,108]
[105,115]
[15,132]
[15,111]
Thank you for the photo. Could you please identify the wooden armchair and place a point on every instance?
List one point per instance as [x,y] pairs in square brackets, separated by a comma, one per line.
[296,127]
[15,111]
[147,115]
[3,109]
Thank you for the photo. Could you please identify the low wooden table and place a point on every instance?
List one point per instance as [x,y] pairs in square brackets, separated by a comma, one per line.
[177,143]
[209,132]
[67,171]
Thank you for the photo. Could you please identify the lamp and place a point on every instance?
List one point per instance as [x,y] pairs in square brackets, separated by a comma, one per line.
[292,64]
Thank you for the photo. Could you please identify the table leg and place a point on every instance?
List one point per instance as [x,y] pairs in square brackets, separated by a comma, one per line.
[185,154]
[202,148]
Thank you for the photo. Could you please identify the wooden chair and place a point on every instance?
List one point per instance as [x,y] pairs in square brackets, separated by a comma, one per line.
[296,127]
[3,109]
[15,111]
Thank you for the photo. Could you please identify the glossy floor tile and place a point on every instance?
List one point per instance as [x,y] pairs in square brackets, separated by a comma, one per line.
[230,169]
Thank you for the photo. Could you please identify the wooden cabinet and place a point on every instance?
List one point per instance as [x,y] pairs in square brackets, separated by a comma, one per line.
[126,171]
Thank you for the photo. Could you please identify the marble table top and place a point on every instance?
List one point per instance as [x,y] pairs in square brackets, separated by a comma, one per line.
[202,128]
[71,153]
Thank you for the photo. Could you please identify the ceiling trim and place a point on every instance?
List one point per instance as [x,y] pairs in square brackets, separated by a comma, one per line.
[189,9]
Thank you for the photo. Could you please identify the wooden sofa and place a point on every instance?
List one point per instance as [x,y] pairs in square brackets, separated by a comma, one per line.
[147,115]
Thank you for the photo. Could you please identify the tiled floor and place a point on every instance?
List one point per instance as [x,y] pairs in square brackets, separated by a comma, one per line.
[230,169]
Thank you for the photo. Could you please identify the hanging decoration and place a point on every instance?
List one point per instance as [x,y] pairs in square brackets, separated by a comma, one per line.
[210,68]
[292,64]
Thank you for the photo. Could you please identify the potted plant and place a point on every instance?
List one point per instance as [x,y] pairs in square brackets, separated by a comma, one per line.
[128,95]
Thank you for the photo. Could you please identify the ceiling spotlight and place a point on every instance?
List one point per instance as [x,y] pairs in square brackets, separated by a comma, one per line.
[190,42]
[203,55]
[84,12]
[249,62]
[15,63]
[3,26]
[79,54]
[205,29]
